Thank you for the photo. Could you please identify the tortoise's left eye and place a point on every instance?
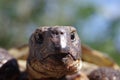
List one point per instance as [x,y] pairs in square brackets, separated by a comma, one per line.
[39,38]
[72,36]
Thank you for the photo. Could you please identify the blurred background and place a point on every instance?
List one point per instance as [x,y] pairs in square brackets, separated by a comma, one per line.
[97,21]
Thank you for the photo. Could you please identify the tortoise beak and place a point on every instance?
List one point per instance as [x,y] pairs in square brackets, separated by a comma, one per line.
[60,56]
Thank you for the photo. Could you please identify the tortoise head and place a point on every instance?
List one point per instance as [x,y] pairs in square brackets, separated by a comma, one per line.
[57,46]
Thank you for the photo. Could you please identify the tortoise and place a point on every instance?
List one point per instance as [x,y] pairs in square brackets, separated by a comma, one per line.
[56,53]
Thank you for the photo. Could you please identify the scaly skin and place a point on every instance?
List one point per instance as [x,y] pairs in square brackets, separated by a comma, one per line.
[54,52]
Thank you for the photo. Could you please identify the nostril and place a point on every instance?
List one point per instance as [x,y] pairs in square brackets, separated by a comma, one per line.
[61,33]
[55,32]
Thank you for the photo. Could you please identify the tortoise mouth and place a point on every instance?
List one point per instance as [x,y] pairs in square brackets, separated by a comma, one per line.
[60,56]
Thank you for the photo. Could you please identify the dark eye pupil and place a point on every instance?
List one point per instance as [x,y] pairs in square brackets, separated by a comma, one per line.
[72,36]
[39,38]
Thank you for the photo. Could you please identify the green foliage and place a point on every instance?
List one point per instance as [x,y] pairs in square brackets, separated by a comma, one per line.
[6,41]
[85,12]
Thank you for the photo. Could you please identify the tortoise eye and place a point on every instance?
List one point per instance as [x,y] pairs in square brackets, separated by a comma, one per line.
[39,38]
[72,36]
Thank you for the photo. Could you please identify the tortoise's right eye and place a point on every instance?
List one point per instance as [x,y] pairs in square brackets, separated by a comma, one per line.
[39,38]
[72,36]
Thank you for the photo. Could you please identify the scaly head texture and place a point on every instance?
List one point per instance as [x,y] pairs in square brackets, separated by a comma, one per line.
[54,52]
